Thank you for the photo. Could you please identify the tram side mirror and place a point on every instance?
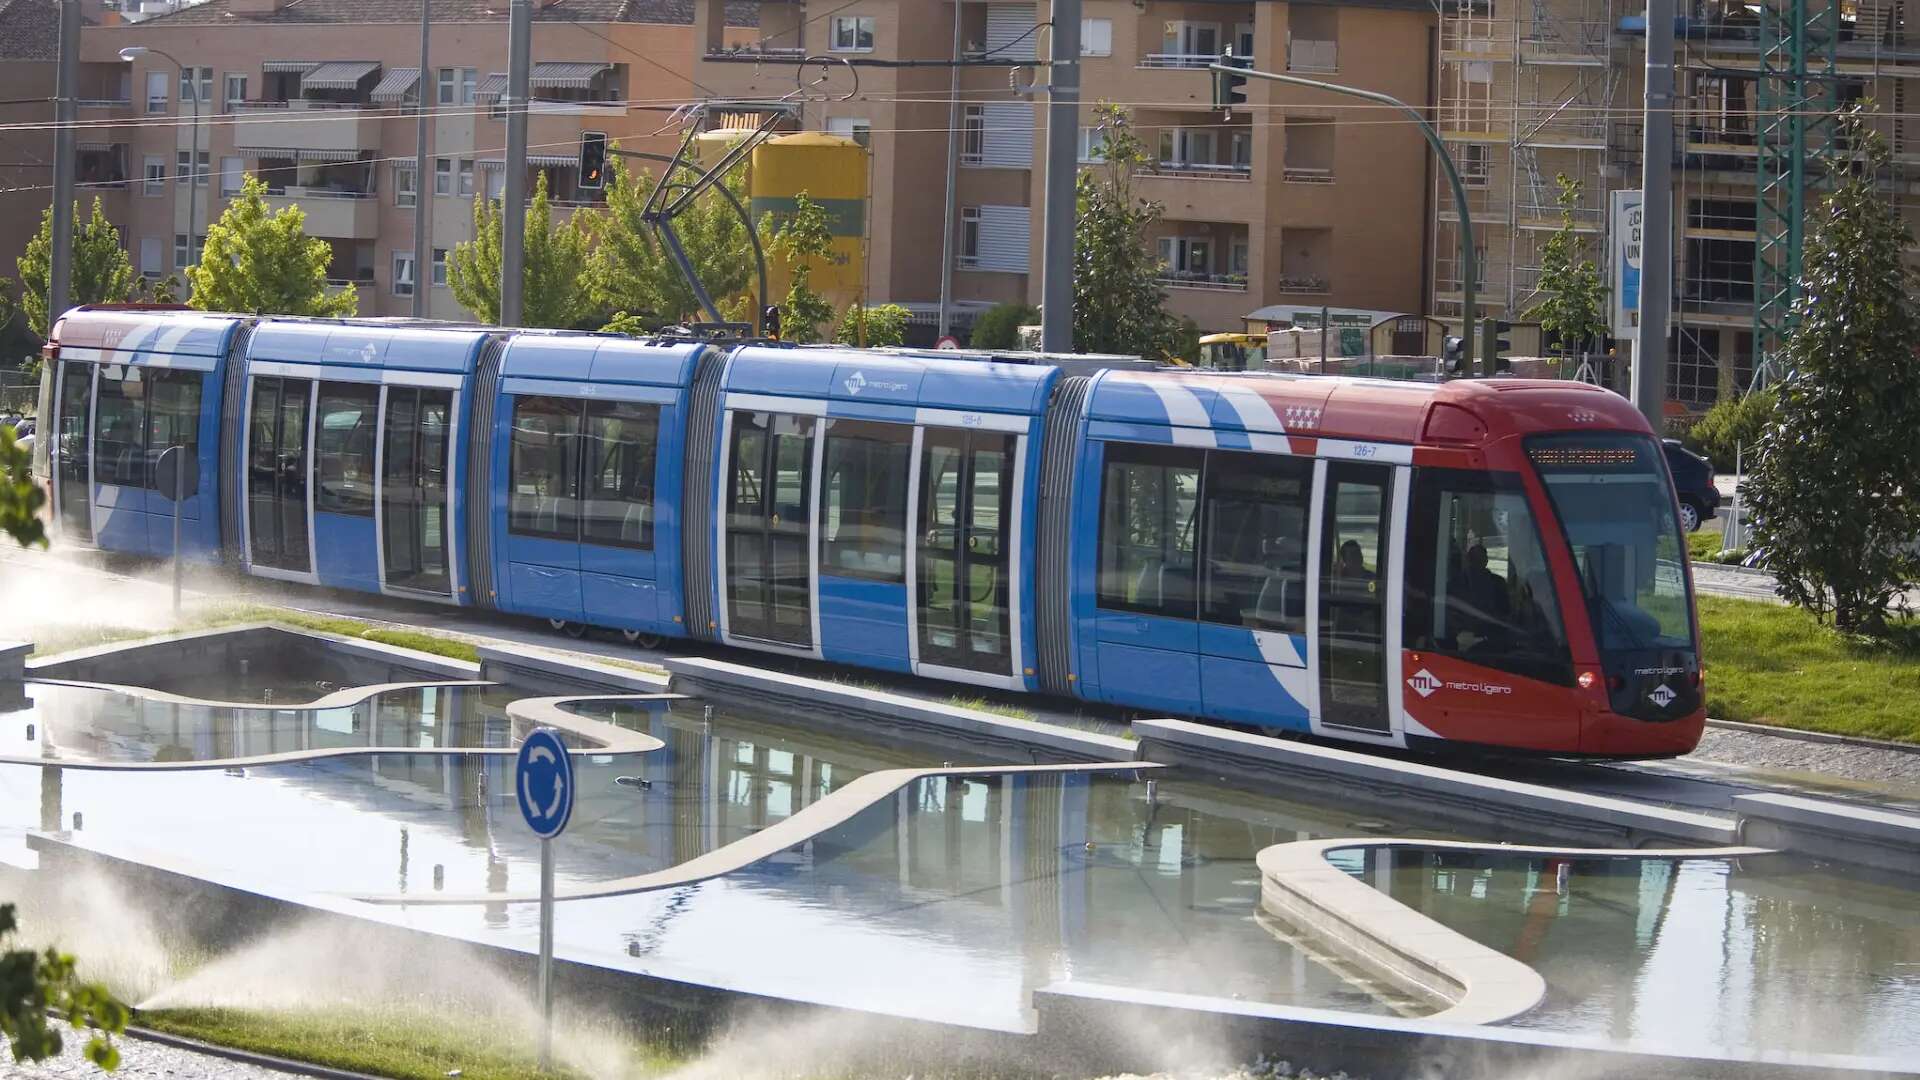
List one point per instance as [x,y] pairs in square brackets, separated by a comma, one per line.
[167,472]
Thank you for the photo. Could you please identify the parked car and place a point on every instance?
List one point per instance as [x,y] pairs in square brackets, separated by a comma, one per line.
[1693,483]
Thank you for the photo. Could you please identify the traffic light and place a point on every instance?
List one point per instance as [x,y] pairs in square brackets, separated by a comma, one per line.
[770,322]
[593,160]
[1230,90]
[1494,347]
[1456,354]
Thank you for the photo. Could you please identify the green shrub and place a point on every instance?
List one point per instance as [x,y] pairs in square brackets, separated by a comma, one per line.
[1732,423]
[999,326]
[886,324]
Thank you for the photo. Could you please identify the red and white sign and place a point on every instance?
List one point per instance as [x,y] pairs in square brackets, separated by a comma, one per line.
[948,342]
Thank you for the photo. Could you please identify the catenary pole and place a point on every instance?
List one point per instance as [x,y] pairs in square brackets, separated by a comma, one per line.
[1656,218]
[422,272]
[513,225]
[60,280]
[953,177]
[1063,167]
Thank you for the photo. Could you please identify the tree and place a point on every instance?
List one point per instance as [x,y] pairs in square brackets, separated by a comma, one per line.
[802,240]
[20,498]
[880,326]
[1117,299]
[630,271]
[1836,486]
[101,271]
[554,276]
[998,327]
[262,261]
[1573,296]
[36,987]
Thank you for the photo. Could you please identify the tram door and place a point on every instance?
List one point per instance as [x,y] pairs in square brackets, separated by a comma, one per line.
[966,512]
[277,474]
[73,429]
[1353,600]
[414,448]
[769,535]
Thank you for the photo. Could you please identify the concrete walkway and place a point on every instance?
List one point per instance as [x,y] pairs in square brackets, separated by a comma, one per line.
[139,1060]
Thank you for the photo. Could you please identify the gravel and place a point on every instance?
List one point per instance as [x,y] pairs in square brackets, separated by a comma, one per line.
[140,1060]
[1780,753]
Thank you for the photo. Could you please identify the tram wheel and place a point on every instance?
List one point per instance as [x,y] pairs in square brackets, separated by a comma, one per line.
[641,638]
[569,628]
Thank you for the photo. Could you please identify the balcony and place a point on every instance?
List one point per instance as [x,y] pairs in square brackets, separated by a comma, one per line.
[1301,174]
[609,110]
[1202,170]
[1303,283]
[305,129]
[343,215]
[1186,61]
[1313,56]
[1173,279]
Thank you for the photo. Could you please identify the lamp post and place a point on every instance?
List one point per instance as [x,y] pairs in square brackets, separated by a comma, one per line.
[133,52]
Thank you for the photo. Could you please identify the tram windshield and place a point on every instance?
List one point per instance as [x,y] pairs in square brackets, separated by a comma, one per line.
[1615,504]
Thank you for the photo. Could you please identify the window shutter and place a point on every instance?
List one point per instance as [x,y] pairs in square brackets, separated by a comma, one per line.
[1005,235]
[1007,138]
[1006,24]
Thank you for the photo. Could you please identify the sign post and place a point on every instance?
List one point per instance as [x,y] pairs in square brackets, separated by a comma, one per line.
[170,475]
[543,785]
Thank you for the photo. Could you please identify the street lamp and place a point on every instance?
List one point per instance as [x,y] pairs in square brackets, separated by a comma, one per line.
[134,52]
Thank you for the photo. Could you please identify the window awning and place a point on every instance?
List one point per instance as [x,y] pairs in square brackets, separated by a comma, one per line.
[306,153]
[396,84]
[494,85]
[564,75]
[273,67]
[93,147]
[339,75]
[538,161]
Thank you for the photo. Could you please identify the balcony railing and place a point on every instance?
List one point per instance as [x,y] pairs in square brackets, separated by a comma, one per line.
[1308,55]
[1177,279]
[105,103]
[1304,283]
[1179,60]
[1301,174]
[1203,170]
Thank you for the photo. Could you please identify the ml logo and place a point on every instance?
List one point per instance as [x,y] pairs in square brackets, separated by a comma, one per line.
[1662,696]
[856,382]
[1424,683]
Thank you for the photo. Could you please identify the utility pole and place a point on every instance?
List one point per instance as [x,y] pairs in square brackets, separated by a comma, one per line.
[513,225]
[1063,167]
[60,279]
[1656,219]
[953,177]
[422,272]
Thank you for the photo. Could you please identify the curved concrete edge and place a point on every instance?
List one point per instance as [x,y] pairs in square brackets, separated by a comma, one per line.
[538,712]
[836,809]
[377,651]
[1867,836]
[346,697]
[1474,984]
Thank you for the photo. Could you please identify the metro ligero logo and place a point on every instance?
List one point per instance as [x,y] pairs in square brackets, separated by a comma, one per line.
[1662,696]
[1424,682]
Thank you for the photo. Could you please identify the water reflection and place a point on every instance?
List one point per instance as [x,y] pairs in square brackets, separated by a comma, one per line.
[1771,952]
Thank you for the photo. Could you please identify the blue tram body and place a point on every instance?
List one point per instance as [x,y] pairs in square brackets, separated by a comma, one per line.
[1159,541]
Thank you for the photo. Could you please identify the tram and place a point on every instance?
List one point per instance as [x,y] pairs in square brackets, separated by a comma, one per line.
[1489,563]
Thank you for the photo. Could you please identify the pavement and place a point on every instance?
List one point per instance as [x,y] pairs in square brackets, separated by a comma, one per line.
[139,1060]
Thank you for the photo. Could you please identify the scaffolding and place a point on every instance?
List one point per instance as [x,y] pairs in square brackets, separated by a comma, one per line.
[1799,90]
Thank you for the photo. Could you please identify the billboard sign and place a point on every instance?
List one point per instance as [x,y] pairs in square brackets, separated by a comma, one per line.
[1623,261]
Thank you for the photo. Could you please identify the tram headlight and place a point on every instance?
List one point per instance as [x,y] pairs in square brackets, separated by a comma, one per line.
[1588,679]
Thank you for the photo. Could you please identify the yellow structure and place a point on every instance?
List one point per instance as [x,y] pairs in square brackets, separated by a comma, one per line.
[832,171]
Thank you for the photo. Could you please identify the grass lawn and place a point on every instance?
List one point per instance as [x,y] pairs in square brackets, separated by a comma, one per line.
[1773,664]
[406,1043]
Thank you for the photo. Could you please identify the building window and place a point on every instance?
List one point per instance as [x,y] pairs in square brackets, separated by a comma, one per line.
[852,33]
[404,189]
[203,87]
[232,175]
[442,176]
[1093,146]
[154,175]
[466,177]
[456,85]
[440,268]
[973,135]
[469,82]
[184,168]
[969,236]
[150,256]
[859,129]
[1471,159]
[1096,37]
[185,255]
[403,273]
[236,94]
[157,92]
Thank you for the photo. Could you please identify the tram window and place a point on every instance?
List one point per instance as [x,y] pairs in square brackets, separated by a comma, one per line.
[343,448]
[864,500]
[1149,502]
[173,419]
[617,504]
[1255,513]
[1478,586]
[544,473]
[120,423]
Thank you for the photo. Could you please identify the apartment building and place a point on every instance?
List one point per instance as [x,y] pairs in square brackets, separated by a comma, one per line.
[1293,202]
[1530,92]
[29,47]
[317,98]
